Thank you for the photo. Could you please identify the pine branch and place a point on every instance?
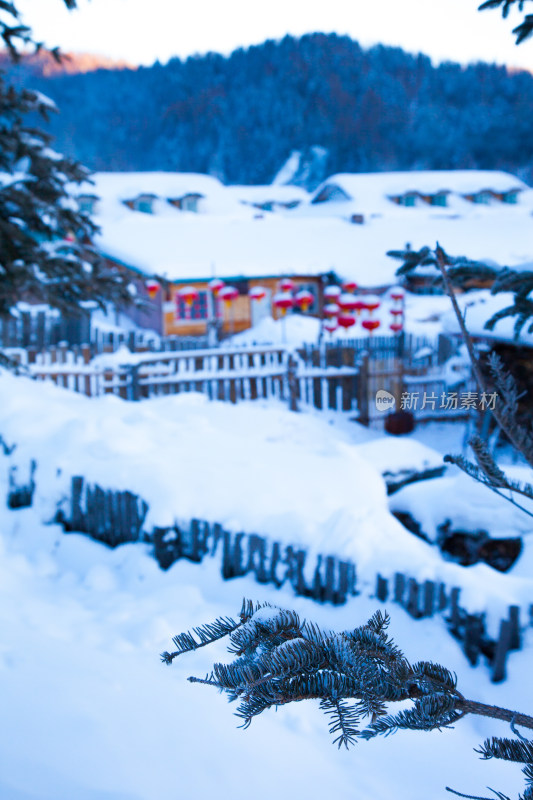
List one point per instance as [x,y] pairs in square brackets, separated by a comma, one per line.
[475,797]
[473,472]
[507,749]
[206,634]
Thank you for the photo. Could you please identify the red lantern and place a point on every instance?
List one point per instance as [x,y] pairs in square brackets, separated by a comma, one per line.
[396,327]
[304,299]
[331,293]
[257,293]
[228,294]
[371,302]
[215,286]
[348,302]
[283,301]
[349,286]
[152,288]
[346,320]
[371,325]
[286,285]
[397,294]
[396,311]
[188,294]
[331,310]
[330,326]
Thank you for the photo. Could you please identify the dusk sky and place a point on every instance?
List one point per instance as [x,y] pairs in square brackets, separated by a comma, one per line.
[140,32]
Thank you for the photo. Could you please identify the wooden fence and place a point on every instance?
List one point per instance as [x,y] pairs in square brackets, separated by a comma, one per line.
[40,330]
[221,373]
[117,517]
[341,377]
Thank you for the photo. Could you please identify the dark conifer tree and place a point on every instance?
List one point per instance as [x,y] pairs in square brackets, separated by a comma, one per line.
[45,241]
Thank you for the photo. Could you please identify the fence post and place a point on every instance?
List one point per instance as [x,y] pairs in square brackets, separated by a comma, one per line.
[399,587]
[500,652]
[132,378]
[429,598]
[362,391]
[514,622]
[381,588]
[292,382]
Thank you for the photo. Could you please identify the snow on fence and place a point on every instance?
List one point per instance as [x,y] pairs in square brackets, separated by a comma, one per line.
[223,374]
[114,518]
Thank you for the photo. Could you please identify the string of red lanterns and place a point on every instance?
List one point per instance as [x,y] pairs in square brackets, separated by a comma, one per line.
[342,308]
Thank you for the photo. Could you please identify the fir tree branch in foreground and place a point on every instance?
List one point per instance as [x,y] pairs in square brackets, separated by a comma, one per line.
[355,674]
[522,31]
[505,411]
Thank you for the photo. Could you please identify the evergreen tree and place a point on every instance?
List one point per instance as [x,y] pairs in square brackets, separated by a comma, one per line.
[45,250]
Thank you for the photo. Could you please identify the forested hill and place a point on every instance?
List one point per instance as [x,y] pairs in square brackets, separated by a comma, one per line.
[240,117]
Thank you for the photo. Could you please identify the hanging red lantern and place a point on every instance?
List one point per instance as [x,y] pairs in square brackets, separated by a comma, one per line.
[348,302]
[396,327]
[331,310]
[330,326]
[371,302]
[371,325]
[397,294]
[286,285]
[215,286]
[188,294]
[304,299]
[257,293]
[228,294]
[358,305]
[396,312]
[346,320]
[283,301]
[349,286]
[152,287]
[331,293]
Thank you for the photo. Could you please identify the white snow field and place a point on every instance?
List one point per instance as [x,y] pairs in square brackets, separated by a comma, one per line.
[88,710]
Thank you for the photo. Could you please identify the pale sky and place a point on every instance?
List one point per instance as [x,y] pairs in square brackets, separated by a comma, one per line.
[141,31]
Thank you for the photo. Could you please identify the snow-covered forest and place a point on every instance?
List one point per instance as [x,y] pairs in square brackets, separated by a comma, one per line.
[239,117]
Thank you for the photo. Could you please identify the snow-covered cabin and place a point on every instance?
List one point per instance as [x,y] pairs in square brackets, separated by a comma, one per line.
[378,193]
[247,247]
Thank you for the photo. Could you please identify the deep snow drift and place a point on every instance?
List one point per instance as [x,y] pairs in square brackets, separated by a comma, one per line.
[88,710]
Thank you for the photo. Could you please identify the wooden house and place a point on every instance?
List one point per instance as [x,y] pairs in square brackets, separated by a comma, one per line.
[169,314]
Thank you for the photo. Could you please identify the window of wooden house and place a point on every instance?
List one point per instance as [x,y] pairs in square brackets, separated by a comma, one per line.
[407,200]
[86,203]
[510,197]
[483,198]
[145,205]
[439,199]
[198,311]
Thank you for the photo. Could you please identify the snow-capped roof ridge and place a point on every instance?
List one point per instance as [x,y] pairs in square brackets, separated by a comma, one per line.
[462,181]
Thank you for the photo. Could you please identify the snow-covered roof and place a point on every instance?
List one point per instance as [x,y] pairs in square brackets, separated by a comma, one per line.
[271,193]
[229,239]
[113,188]
[392,184]
[187,246]
[478,307]
[123,185]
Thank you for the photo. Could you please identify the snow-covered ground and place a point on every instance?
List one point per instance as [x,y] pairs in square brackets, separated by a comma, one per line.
[88,710]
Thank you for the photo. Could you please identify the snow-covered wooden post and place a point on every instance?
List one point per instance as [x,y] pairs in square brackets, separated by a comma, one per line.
[292,383]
